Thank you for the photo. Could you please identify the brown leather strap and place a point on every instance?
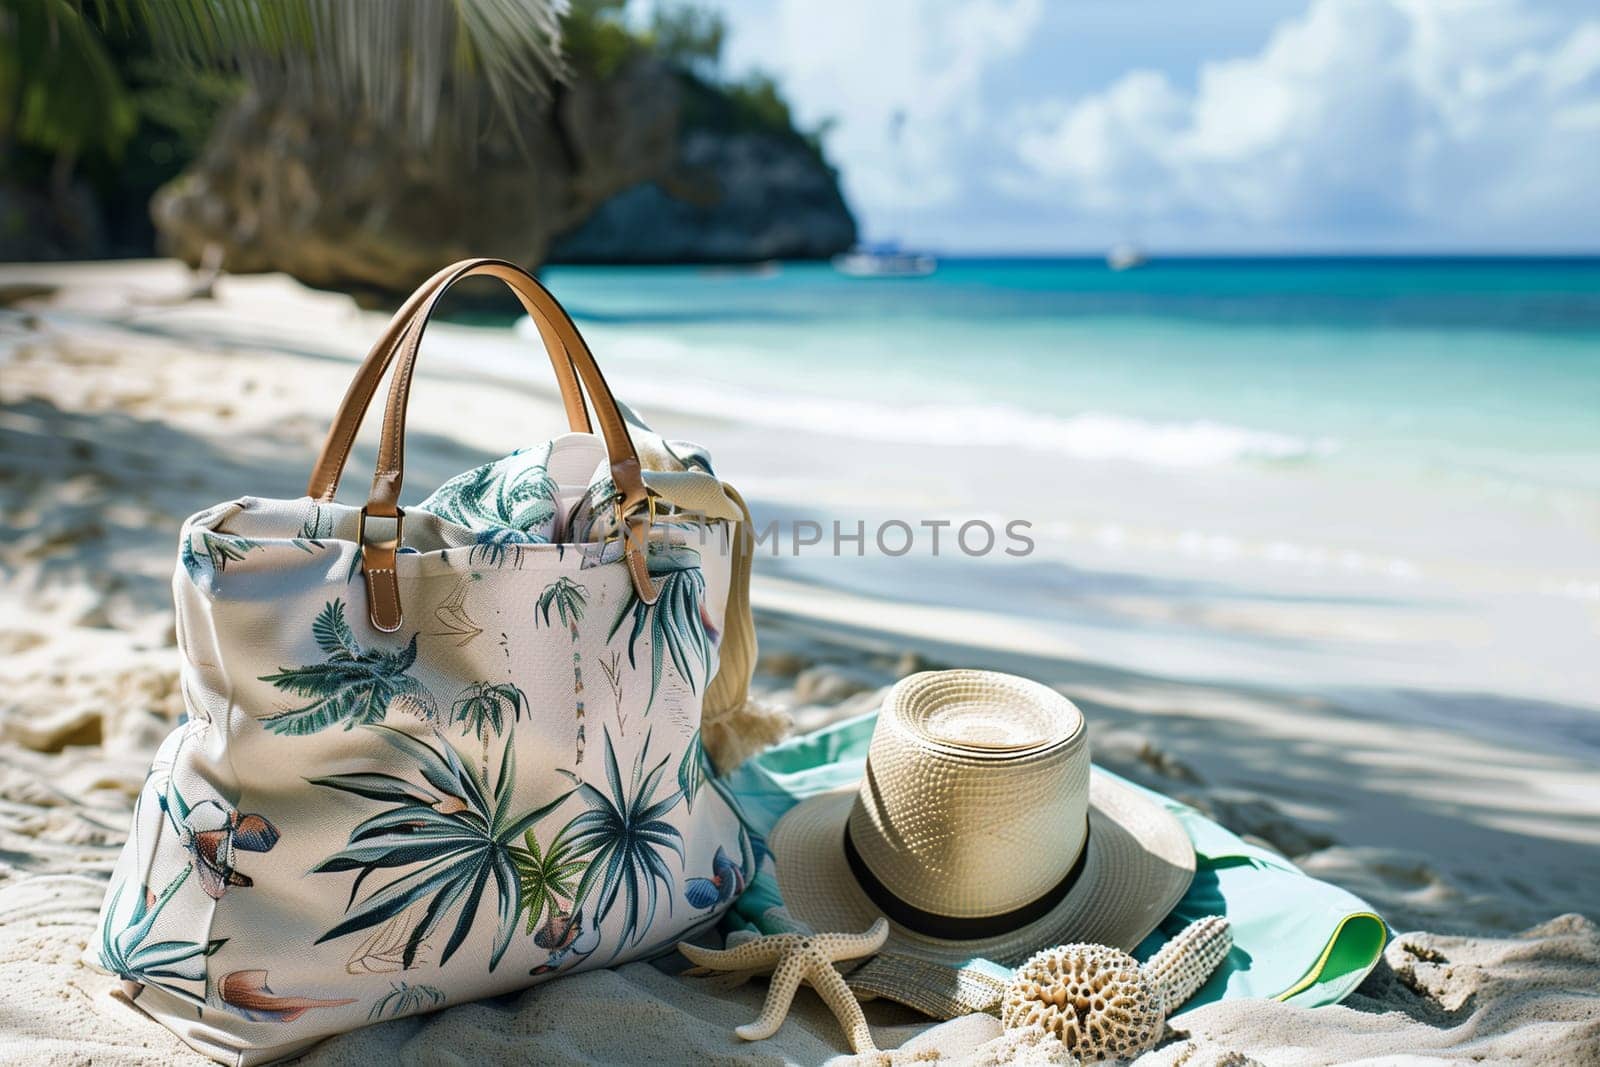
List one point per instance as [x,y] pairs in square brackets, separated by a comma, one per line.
[378,557]
[324,481]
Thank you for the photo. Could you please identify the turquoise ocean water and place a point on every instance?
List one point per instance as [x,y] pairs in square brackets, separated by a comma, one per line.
[1454,369]
[1330,473]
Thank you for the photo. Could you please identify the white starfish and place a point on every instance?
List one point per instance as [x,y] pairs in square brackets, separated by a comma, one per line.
[794,958]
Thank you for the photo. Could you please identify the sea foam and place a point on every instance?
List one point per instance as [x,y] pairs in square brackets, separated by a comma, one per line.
[1086,435]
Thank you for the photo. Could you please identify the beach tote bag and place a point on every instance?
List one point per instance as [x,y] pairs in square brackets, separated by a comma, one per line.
[435,753]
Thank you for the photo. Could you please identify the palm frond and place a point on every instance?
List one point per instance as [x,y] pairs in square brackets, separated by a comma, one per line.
[675,621]
[62,90]
[549,877]
[625,836]
[404,998]
[567,597]
[354,686]
[130,955]
[692,771]
[484,706]
[333,634]
[411,64]
[451,837]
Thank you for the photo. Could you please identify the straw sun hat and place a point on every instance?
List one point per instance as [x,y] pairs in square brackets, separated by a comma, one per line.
[979,830]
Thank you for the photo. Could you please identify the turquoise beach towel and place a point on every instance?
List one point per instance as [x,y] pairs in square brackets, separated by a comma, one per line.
[1294,938]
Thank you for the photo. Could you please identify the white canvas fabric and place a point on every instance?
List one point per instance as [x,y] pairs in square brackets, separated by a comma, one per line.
[353,826]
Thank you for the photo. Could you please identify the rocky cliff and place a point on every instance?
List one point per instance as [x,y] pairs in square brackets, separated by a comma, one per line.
[617,170]
[744,186]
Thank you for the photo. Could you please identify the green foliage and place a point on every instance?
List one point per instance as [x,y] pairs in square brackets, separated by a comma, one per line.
[452,834]
[353,686]
[753,105]
[599,42]
[402,62]
[687,36]
[547,877]
[757,104]
[60,91]
[596,40]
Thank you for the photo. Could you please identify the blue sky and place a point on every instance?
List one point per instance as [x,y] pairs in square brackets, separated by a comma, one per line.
[1233,125]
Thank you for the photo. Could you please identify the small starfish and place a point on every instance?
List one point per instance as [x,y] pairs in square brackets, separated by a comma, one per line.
[794,958]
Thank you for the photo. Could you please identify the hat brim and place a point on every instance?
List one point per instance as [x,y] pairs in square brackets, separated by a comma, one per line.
[1139,865]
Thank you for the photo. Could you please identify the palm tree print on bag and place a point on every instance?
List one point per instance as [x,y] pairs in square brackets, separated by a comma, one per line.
[678,624]
[626,836]
[133,957]
[506,504]
[569,599]
[485,706]
[354,686]
[451,833]
[217,550]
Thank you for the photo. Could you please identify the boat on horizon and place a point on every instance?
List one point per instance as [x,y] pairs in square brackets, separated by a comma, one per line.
[1126,256]
[885,260]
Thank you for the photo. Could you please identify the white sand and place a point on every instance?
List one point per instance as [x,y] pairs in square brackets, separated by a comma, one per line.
[120,415]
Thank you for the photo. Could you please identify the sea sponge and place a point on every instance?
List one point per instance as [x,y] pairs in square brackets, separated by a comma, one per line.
[1100,1003]
[1095,1000]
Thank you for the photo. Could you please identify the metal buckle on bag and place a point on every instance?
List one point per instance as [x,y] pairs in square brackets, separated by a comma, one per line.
[392,544]
[620,519]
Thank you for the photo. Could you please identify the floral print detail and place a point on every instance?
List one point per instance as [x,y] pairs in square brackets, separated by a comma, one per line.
[507,504]
[567,939]
[352,686]
[384,951]
[692,770]
[452,616]
[217,550]
[548,879]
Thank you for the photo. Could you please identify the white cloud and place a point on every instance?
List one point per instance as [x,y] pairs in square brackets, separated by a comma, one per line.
[900,79]
[1446,120]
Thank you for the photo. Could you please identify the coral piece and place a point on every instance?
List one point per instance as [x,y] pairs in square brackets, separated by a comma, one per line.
[1100,1002]
[794,958]
[1095,999]
[1184,963]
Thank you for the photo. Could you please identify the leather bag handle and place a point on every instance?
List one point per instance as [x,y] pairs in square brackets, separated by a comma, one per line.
[325,476]
[380,547]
